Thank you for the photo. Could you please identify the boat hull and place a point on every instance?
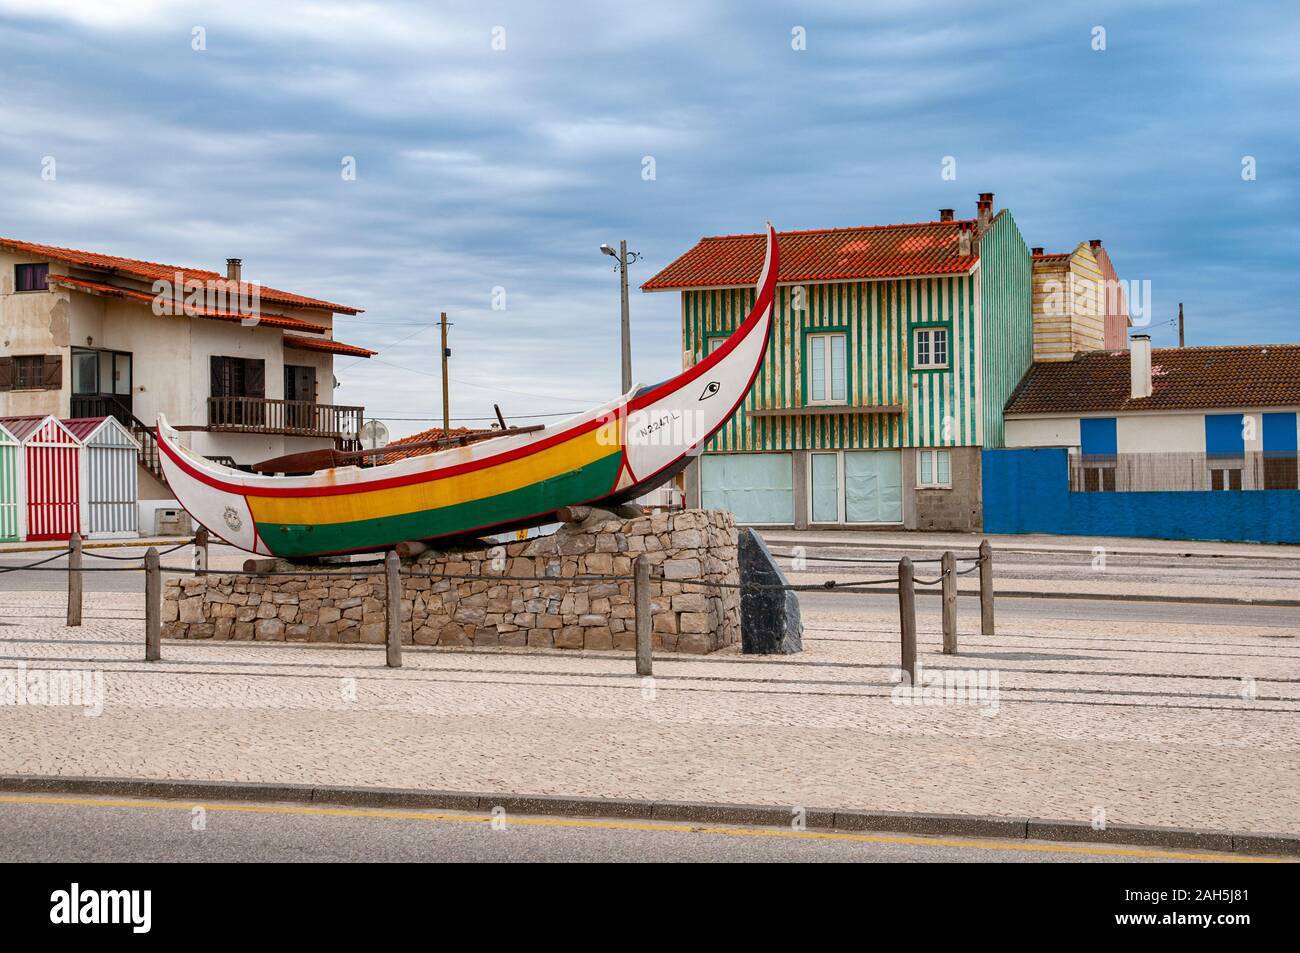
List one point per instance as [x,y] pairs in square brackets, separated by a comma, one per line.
[610,454]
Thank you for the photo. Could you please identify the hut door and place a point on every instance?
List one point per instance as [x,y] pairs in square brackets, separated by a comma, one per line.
[52,491]
[9,476]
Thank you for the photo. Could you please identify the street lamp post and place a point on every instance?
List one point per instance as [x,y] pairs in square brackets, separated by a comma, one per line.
[622,259]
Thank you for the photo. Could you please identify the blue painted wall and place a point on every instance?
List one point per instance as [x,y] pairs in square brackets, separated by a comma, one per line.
[1028,491]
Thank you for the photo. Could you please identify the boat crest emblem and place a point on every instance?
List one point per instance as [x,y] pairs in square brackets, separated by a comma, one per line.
[232,518]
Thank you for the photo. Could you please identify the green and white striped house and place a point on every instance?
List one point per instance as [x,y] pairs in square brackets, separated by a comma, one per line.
[894,349]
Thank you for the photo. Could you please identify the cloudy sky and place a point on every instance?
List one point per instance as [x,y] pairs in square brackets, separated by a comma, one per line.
[481,167]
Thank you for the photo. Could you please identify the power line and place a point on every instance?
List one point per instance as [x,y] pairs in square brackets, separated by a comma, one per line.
[438,419]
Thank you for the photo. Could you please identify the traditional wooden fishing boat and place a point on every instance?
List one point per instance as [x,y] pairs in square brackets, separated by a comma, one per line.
[606,456]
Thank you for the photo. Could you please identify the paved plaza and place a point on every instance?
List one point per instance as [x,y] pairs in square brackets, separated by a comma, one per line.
[1188,723]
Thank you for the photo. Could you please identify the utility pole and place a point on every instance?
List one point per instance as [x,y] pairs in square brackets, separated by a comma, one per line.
[446,353]
[1180,324]
[623,259]
[627,318]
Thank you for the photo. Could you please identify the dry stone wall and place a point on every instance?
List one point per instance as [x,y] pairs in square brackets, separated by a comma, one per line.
[569,590]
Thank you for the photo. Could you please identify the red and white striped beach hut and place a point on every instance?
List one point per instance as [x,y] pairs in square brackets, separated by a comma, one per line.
[52,459]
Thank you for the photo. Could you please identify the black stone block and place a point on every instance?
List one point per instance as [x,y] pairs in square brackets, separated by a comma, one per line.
[769,619]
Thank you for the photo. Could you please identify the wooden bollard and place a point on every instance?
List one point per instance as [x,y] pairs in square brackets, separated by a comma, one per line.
[949,565]
[74,579]
[907,616]
[393,609]
[986,588]
[152,606]
[201,537]
[641,597]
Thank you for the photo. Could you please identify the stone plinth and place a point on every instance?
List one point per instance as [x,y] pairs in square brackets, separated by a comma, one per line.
[528,593]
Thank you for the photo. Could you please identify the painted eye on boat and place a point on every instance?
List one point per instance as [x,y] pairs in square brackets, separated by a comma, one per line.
[712,388]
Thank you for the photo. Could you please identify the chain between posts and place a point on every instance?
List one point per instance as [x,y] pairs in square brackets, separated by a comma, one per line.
[641,579]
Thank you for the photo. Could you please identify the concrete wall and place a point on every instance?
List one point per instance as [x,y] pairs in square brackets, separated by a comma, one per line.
[1027,491]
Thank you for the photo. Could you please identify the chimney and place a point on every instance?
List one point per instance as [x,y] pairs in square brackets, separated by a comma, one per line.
[234,268]
[984,210]
[1139,360]
[1036,250]
[964,239]
[1094,243]
[945,215]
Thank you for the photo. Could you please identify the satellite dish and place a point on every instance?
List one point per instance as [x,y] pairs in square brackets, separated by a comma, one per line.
[374,434]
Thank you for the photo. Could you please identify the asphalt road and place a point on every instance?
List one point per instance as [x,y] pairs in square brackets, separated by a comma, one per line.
[41,828]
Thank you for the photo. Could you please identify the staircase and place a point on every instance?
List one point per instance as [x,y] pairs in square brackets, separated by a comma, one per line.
[148,456]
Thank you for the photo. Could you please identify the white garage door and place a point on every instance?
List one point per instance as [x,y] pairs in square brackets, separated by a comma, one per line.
[757,487]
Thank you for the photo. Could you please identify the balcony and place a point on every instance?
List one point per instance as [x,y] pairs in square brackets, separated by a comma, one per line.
[291,418]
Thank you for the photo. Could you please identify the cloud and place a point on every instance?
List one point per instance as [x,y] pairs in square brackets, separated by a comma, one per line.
[482,168]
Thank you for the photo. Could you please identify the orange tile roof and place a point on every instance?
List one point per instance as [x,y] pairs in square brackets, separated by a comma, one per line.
[394,451]
[329,346]
[1182,378]
[825,254]
[153,271]
[269,320]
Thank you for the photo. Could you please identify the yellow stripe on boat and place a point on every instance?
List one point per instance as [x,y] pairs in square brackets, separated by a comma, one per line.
[435,493]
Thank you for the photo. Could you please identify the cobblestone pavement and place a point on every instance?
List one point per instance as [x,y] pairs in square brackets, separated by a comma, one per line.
[1188,725]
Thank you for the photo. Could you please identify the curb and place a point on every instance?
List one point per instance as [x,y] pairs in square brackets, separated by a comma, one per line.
[963,825]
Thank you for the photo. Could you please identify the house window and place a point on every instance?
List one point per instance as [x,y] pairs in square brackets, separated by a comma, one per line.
[930,347]
[1225,478]
[826,368]
[933,469]
[1098,477]
[28,372]
[31,372]
[31,277]
[238,392]
[238,377]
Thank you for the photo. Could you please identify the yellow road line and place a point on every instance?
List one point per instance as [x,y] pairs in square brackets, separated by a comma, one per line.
[642,826]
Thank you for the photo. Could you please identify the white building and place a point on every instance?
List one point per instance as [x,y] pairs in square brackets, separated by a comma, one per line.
[1194,418]
[247,370]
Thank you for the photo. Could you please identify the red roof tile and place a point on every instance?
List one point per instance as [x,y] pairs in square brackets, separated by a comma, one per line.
[394,451]
[330,347]
[270,320]
[152,271]
[1188,378]
[827,254]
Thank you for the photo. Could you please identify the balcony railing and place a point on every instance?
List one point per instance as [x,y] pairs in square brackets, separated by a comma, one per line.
[298,418]
[1153,472]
